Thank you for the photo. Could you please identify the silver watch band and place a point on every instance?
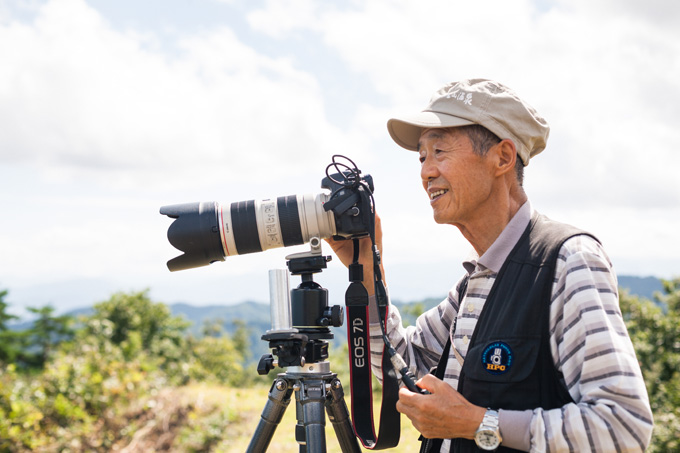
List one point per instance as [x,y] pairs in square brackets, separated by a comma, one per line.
[488,436]
[490,418]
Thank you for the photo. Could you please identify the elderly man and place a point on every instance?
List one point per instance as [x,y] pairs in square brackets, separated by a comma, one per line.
[530,348]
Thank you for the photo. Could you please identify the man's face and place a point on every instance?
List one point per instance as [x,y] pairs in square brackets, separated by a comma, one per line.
[458,182]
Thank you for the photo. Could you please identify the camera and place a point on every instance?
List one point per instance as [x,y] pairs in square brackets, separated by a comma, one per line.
[209,231]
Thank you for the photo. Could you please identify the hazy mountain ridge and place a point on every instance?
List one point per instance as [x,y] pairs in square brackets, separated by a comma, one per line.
[256,315]
[641,286]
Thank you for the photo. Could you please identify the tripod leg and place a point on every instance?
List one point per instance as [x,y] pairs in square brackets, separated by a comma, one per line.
[311,398]
[300,433]
[279,397]
[339,417]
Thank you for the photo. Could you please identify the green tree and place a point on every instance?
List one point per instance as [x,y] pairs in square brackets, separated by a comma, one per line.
[4,316]
[411,312]
[220,357]
[216,359]
[241,338]
[135,312]
[138,325]
[47,332]
[11,342]
[213,328]
[654,328]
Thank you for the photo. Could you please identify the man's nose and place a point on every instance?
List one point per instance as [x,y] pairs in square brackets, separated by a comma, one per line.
[428,169]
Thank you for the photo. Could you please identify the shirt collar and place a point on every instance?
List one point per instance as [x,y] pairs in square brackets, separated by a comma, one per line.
[495,256]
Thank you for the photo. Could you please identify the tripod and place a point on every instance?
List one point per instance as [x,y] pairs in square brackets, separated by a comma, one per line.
[315,388]
[303,351]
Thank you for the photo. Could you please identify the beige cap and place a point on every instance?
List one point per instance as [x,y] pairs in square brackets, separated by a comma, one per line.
[476,101]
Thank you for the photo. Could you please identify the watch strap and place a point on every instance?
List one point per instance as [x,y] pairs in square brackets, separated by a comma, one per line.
[489,425]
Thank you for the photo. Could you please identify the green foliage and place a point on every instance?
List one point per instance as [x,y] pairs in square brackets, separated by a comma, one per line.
[202,433]
[135,312]
[654,328]
[140,326]
[411,312]
[32,347]
[46,333]
[11,342]
[81,391]
[4,316]
[92,388]
[128,350]
[217,358]
[241,339]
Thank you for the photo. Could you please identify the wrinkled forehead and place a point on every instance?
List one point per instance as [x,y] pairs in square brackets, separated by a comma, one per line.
[442,133]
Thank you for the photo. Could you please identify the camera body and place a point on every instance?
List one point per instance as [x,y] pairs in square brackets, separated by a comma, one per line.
[351,210]
[208,231]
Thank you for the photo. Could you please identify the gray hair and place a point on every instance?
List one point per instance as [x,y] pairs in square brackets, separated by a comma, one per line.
[482,139]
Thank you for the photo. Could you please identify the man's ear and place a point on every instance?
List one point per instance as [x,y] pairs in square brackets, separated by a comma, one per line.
[506,156]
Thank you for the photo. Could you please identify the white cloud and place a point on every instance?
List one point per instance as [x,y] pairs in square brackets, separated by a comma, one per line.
[106,101]
[606,75]
[409,48]
[608,84]
[103,125]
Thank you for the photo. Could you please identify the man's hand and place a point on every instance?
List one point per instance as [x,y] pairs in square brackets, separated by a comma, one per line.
[444,414]
[344,250]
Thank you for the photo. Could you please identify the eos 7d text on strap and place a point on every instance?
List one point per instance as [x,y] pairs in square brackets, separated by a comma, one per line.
[358,337]
[356,300]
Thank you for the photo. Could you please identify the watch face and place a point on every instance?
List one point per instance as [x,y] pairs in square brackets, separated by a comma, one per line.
[487,439]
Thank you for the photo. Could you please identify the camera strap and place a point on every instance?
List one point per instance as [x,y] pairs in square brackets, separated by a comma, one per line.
[358,335]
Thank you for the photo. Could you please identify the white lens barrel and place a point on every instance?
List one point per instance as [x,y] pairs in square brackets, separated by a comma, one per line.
[227,230]
[258,225]
[268,224]
[314,220]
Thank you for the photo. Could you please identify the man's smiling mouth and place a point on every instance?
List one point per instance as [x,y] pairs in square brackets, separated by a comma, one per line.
[437,193]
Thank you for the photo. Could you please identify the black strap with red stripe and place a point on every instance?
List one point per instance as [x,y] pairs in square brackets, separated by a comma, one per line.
[358,335]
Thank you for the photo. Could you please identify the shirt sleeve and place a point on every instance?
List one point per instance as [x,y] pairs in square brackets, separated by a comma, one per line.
[591,347]
[421,345]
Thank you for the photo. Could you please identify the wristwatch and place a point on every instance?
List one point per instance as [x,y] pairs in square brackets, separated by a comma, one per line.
[488,436]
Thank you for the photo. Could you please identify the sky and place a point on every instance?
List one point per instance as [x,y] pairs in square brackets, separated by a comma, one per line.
[111,109]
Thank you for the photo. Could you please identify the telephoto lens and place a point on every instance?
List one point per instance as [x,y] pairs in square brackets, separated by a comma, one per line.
[208,231]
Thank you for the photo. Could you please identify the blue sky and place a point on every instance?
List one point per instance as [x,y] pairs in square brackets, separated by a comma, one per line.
[111,109]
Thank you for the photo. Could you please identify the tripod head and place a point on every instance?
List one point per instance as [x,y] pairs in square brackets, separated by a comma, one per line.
[301,341]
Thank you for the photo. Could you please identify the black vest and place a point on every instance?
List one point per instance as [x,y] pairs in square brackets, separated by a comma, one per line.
[509,364]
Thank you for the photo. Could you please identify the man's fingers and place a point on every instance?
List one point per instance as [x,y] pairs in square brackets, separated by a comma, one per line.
[430,383]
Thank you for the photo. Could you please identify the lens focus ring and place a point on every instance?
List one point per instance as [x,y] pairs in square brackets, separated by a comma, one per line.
[289,219]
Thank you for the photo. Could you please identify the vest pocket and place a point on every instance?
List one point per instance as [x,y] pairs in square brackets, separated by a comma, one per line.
[501,373]
[502,361]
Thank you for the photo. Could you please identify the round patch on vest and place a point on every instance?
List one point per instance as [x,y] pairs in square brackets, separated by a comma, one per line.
[497,358]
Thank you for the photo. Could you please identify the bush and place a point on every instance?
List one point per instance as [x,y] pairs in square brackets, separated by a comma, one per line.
[654,328]
[76,399]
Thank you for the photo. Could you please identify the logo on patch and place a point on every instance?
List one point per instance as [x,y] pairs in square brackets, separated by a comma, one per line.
[497,358]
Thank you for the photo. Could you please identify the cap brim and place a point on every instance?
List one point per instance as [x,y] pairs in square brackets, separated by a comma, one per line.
[405,131]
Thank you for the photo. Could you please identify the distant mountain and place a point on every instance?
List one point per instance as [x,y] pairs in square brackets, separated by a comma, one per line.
[24,325]
[256,315]
[641,286]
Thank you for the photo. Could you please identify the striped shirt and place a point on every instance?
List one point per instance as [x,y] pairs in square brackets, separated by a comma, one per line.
[589,345]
